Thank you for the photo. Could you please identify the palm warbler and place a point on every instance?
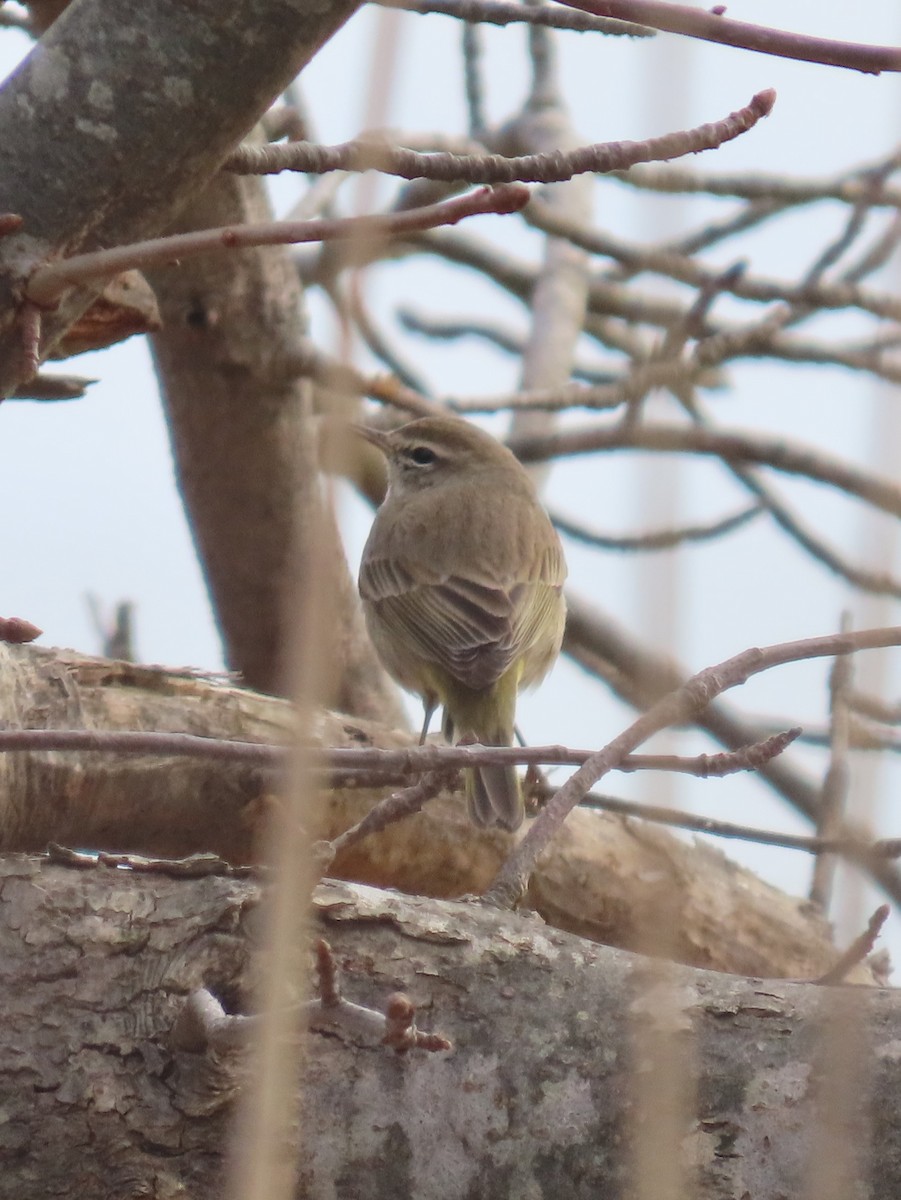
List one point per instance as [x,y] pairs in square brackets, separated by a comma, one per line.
[462,587]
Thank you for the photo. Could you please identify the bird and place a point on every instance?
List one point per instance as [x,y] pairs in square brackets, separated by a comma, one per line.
[461,581]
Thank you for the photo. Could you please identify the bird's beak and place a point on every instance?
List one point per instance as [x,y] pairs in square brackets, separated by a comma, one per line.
[376,437]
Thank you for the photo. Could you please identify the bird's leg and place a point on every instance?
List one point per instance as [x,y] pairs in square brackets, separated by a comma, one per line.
[429,706]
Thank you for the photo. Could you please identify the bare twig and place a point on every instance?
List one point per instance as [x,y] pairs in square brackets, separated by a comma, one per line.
[432,757]
[618,314]
[876,582]
[712,26]
[360,316]
[859,850]
[878,253]
[783,190]
[503,337]
[497,12]
[473,76]
[686,701]
[342,377]
[835,784]
[663,539]
[395,1027]
[732,446]
[641,378]
[203,1023]
[687,270]
[369,154]
[393,808]
[47,283]
[194,866]
[875,709]
[858,950]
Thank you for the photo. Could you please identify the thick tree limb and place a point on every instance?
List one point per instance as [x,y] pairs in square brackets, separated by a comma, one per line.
[599,878]
[106,137]
[96,971]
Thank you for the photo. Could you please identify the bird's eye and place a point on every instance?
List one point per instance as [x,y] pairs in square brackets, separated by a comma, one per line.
[422,456]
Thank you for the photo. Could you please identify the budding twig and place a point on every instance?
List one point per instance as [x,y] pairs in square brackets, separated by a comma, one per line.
[371,154]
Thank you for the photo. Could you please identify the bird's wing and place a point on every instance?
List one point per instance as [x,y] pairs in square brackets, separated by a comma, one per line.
[475,630]
[538,623]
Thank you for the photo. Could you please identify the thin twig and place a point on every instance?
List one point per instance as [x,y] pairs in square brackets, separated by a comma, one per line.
[687,270]
[204,1025]
[858,850]
[431,757]
[391,809]
[340,376]
[875,708]
[473,77]
[664,539]
[793,459]
[679,705]
[712,26]
[47,283]
[394,1027]
[847,187]
[370,154]
[360,315]
[504,338]
[640,678]
[837,779]
[858,950]
[497,12]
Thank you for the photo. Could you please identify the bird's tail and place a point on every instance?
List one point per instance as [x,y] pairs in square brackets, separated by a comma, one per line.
[493,793]
[494,796]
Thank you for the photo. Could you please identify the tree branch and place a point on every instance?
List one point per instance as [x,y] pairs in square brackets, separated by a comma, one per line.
[116,174]
[731,446]
[369,154]
[683,703]
[497,12]
[712,26]
[47,283]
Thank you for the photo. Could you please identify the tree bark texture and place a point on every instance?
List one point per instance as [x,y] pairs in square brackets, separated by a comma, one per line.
[245,448]
[533,1099]
[604,877]
[110,124]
